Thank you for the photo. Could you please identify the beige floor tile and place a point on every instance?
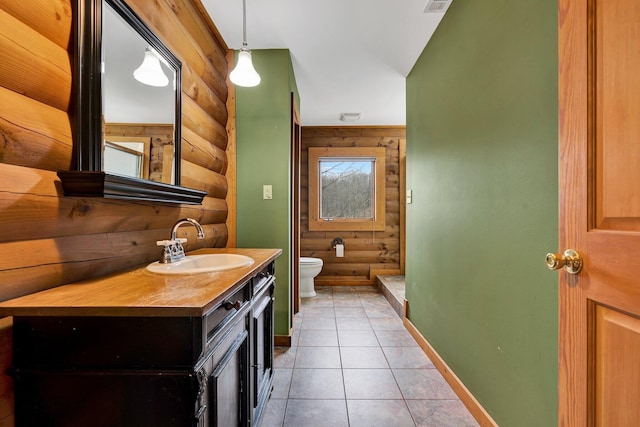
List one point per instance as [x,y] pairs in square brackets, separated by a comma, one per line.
[319,323]
[440,413]
[363,357]
[387,323]
[311,338]
[370,384]
[395,339]
[273,415]
[281,383]
[407,357]
[353,324]
[318,312]
[317,384]
[379,413]
[350,312]
[316,413]
[317,357]
[284,357]
[423,384]
[357,339]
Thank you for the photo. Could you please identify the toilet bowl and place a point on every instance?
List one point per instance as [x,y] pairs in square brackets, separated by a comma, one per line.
[309,268]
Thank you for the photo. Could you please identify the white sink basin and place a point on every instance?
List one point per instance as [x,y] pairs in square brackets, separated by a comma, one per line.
[205,263]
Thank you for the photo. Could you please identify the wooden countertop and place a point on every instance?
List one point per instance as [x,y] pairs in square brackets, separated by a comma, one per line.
[137,292]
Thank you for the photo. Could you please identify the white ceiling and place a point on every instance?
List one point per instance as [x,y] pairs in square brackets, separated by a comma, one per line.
[349,56]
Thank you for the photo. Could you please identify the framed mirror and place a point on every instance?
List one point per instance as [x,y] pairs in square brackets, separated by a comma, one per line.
[126,109]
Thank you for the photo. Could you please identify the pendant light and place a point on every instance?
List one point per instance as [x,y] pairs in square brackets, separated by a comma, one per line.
[150,72]
[244,74]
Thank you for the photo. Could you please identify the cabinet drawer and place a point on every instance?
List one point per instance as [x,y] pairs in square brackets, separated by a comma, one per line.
[263,279]
[106,342]
[224,313]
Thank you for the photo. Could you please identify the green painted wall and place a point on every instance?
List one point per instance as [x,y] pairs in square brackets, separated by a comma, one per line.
[263,121]
[482,164]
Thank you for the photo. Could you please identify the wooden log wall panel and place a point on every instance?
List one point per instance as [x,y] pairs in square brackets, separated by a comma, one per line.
[31,64]
[201,152]
[355,244]
[355,141]
[199,178]
[201,123]
[197,90]
[52,19]
[355,131]
[31,208]
[231,169]
[200,30]
[32,133]
[365,251]
[40,265]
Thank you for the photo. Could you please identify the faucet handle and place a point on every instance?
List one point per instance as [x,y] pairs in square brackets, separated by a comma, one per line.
[171,242]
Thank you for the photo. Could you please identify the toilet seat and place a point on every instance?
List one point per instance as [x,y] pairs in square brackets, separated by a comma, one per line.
[310,261]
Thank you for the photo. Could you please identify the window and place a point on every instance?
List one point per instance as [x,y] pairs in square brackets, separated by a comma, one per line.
[346,189]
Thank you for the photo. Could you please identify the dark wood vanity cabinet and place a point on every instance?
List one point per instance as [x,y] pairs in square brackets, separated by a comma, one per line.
[262,347]
[214,370]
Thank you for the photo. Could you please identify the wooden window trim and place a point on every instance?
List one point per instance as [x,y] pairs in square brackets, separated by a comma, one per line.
[378,221]
[146,155]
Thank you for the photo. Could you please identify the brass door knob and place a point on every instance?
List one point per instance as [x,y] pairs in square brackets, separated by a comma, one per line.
[570,260]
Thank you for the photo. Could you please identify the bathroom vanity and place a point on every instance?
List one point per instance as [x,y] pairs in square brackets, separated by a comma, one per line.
[142,349]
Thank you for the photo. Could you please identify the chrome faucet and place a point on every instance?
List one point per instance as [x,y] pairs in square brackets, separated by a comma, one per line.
[172,249]
[183,221]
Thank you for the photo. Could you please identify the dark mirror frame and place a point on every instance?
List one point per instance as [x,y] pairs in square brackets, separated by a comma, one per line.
[86,177]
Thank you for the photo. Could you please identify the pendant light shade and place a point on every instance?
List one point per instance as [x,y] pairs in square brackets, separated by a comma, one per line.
[150,72]
[244,74]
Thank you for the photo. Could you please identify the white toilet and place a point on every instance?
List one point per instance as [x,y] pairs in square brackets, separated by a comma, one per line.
[309,268]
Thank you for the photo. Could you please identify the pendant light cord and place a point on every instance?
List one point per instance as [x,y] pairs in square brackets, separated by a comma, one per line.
[244,23]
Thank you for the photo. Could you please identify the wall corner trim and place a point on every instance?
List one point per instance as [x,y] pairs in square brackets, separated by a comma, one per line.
[474,407]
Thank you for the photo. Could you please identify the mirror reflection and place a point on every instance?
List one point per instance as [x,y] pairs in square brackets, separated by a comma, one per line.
[138,104]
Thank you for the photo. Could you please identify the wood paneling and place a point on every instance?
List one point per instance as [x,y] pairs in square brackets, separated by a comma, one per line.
[35,67]
[52,18]
[366,252]
[231,165]
[32,133]
[50,240]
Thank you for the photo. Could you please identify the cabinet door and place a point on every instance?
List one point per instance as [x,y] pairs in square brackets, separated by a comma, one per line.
[262,350]
[228,386]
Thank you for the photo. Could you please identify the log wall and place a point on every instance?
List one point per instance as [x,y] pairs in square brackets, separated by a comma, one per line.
[367,253]
[47,239]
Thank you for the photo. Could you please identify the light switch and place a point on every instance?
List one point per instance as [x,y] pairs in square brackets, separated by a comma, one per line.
[408,196]
[267,192]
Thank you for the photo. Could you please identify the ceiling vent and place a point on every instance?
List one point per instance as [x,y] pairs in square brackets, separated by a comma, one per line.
[349,117]
[437,6]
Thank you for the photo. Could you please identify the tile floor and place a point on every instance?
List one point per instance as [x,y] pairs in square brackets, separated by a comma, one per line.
[352,363]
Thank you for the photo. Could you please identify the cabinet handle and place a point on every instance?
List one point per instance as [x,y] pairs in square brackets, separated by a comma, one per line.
[228,305]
